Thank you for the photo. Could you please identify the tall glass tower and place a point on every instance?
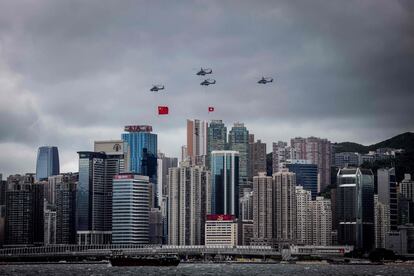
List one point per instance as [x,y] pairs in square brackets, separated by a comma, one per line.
[225,182]
[239,141]
[355,207]
[47,163]
[216,138]
[143,150]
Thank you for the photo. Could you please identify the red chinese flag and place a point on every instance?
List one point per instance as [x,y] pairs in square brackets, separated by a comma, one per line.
[210,109]
[162,110]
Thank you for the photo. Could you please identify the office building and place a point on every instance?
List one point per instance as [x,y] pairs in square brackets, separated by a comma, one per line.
[143,150]
[284,207]
[225,183]
[92,199]
[130,212]
[221,230]
[355,207]
[263,209]
[24,211]
[197,141]
[387,194]
[303,216]
[47,163]
[216,138]
[318,151]
[306,174]
[239,141]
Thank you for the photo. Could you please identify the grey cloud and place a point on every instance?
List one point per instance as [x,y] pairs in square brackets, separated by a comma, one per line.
[340,66]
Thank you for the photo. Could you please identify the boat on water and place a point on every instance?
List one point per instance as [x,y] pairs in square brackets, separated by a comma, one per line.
[144,261]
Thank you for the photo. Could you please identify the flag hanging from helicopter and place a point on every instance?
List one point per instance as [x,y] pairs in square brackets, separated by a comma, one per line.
[211,109]
[162,110]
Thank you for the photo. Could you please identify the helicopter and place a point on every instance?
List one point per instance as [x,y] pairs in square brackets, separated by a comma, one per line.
[208,82]
[156,88]
[204,72]
[265,80]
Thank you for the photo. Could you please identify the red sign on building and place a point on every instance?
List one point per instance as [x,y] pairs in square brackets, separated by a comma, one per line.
[221,217]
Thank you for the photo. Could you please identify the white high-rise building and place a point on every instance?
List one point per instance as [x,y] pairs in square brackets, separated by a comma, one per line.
[303,216]
[188,204]
[197,141]
[130,209]
[381,222]
[221,230]
[281,153]
[285,206]
[321,221]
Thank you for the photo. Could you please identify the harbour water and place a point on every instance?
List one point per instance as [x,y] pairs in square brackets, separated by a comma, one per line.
[208,269]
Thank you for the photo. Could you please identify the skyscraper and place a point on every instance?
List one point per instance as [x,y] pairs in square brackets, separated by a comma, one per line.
[216,138]
[239,141]
[93,226]
[281,152]
[246,205]
[188,203]
[355,207]
[285,206]
[197,141]
[130,217]
[142,143]
[24,211]
[257,158]
[306,174]
[225,182]
[407,187]
[387,194]
[381,222]
[164,163]
[318,151]
[303,216]
[263,209]
[47,163]
[66,208]
[321,221]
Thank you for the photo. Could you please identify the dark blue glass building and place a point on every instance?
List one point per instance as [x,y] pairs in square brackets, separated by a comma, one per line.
[225,182]
[306,176]
[143,147]
[47,163]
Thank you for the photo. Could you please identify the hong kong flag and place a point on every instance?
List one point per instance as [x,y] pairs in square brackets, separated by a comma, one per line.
[163,110]
[210,109]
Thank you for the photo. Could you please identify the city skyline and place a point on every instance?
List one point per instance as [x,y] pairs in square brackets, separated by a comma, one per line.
[78,75]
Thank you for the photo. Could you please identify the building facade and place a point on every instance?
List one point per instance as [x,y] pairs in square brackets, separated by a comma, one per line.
[224,183]
[130,209]
[239,141]
[306,174]
[263,209]
[387,194]
[216,138]
[303,216]
[197,141]
[221,230]
[47,163]
[321,221]
[285,206]
[319,152]
[257,158]
[355,207]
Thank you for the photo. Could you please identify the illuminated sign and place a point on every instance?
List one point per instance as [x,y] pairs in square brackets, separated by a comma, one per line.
[124,176]
[139,128]
[221,217]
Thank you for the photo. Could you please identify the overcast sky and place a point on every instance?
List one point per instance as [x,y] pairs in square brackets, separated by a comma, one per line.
[72,72]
